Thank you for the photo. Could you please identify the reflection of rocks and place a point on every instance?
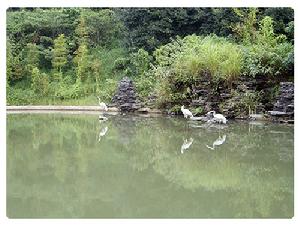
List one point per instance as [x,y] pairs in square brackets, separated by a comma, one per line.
[126,126]
[283,110]
[125,98]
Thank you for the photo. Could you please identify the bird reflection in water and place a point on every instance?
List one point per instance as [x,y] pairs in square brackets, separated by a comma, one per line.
[219,141]
[186,144]
[103,130]
[102,133]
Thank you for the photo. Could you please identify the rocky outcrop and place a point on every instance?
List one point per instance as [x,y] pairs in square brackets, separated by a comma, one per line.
[125,99]
[245,96]
[284,105]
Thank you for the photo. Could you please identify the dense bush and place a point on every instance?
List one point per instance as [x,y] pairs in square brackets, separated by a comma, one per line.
[183,62]
[268,60]
[269,54]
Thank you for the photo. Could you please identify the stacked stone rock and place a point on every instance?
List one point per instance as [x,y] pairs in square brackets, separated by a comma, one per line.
[125,98]
[284,105]
[204,96]
[225,101]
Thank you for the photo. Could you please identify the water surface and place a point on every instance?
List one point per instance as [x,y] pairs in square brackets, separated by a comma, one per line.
[72,166]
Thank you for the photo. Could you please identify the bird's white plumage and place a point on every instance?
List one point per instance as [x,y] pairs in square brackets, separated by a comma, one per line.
[102,133]
[186,144]
[186,113]
[102,105]
[219,118]
[217,142]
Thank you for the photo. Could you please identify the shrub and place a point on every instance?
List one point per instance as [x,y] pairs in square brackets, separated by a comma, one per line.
[107,90]
[145,85]
[267,60]
[268,54]
[183,62]
[18,96]
[40,82]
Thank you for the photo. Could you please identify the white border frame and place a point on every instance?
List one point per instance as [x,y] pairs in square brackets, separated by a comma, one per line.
[139,3]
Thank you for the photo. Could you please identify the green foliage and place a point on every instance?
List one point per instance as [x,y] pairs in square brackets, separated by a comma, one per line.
[81,31]
[175,109]
[268,61]
[18,96]
[14,68]
[107,44]
[137,64]
[270,54]
[107,90]
[81,62]
[246,29]
[39,82]
[161,24]
[183,62]
[32,57]
[57,76]
[283,17]
[145,85]
[197,111]
[249,100]
[211,55]
[59,52]
[107,57]
[290,31]
[103,27]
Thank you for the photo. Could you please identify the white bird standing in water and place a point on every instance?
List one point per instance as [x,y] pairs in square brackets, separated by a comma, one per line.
[217,142]
[219,118]
[186,144]
[102,132]
[102,105]
[186,113]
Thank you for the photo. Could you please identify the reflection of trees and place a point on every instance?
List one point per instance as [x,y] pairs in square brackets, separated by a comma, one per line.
[250,165]
[56,167]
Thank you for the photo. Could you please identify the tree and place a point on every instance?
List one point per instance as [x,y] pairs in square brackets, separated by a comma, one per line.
[96,69]
[81,31]
[14,67]
[59,53]
[39,82]
[81,62]
[103,27]
[246,29]
[32,57]
[150,28]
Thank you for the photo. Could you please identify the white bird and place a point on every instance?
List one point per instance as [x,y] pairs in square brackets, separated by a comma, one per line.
[186,144]
[219,118]
[102,105]
[217,142]
[186,113]
[102,132]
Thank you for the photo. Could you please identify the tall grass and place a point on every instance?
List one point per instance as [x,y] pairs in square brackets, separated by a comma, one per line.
[185,61]
[211,55]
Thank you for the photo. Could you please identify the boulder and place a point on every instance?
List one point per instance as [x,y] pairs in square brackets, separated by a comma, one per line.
[125,99]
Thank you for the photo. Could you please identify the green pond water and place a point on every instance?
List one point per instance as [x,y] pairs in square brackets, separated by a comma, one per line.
[72,166]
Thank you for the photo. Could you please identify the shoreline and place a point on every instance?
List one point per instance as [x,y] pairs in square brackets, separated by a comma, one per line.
[37,109]
[73,109]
